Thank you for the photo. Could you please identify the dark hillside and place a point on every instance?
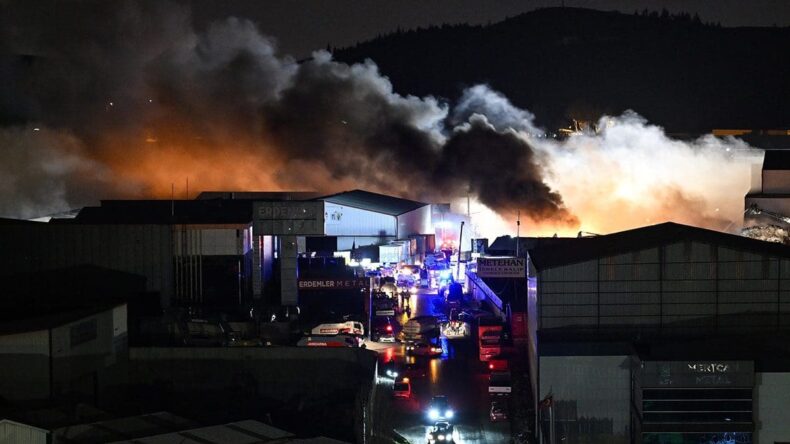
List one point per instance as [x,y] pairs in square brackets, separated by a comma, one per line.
[567,62]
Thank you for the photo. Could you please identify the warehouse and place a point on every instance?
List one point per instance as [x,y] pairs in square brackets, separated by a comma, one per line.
[360,218]
[74,353]
[638,335]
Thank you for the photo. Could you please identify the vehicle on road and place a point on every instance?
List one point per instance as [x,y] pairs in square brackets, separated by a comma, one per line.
[441,432]
[390,369]
[348,327]
[385,329]
[439,409]
[420,327]
[489,337]
[402,389]
[498,411]
[343,340]
[424,349]
[499,384]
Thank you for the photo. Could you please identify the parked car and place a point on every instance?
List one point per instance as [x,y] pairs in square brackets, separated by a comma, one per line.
[402,389]
[385,329]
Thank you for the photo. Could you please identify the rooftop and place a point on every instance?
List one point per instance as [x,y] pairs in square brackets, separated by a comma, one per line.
[549,253]
[379,203]
[241,432]
[164,212]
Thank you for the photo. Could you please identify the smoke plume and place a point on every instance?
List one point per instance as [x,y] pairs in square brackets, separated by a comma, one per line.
[130,96]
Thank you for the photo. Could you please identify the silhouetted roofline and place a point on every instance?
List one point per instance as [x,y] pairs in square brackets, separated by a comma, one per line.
[379,203]
[548,255]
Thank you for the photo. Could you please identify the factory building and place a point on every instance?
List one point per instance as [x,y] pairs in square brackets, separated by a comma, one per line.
[74,353]
[666,333]
[203,255]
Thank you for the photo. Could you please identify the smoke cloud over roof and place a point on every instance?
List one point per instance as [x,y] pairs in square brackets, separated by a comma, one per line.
[129,98]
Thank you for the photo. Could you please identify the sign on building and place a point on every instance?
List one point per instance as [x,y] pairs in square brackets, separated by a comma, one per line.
[288,218]
[501,267]
[332,284]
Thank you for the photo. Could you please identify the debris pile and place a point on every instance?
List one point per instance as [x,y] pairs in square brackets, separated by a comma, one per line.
[768,233]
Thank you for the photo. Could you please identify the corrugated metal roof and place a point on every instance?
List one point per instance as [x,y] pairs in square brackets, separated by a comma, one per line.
[241,432]
[123,428]
[379,203]
[574,250]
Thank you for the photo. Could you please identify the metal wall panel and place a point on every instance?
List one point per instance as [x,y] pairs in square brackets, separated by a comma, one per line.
[341,220]
[419,222]
[15,433]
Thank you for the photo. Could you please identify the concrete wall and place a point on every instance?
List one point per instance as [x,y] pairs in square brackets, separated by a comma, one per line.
[341,220]
[771,401]
[24,360]
[415,222]
[590,393]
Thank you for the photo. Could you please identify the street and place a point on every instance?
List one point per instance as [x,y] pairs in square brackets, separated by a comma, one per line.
[457,374]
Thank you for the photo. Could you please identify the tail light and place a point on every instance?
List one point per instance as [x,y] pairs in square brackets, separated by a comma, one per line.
[389,328]
[490,366]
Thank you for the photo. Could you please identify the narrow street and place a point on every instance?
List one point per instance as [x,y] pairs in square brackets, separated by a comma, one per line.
[457,374]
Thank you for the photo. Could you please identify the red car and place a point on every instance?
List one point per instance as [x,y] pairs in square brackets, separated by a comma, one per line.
[402,389]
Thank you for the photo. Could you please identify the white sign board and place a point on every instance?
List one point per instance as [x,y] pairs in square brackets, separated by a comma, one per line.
[288,218]
[501,267]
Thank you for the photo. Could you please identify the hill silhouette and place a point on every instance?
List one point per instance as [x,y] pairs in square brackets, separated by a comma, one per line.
[563,63]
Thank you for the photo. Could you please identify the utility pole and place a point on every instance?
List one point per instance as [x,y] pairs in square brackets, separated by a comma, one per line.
[371,284]
[518,230]
[460,243]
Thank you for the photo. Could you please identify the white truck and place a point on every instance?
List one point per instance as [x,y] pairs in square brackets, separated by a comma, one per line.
[348,327]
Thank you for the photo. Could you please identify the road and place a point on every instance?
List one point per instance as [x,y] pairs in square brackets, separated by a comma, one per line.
[458,374]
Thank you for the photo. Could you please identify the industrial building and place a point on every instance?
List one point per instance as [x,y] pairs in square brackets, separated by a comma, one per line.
[203,253]
[75,353]
[666,333]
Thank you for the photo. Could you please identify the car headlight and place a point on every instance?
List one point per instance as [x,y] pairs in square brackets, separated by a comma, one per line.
[449,414]
[440,437]
[433,414]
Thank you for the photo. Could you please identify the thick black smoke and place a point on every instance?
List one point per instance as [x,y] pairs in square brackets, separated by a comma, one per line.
[132,82]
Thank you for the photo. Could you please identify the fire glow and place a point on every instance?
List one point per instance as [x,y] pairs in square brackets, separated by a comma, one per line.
[222,110]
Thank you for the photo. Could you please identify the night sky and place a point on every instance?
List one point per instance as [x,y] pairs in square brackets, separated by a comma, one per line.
[302,26]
